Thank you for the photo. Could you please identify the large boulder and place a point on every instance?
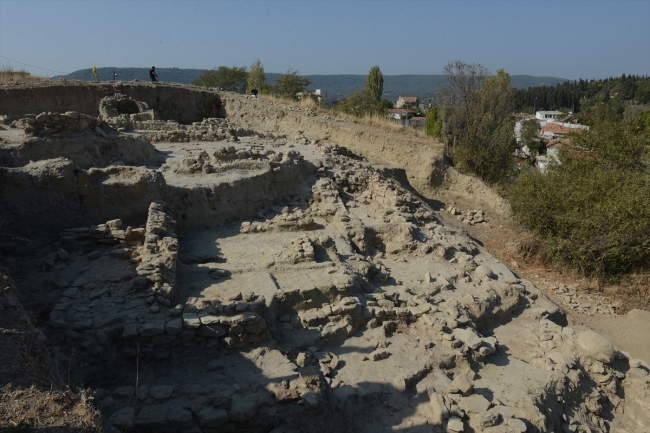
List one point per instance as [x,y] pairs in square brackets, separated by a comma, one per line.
[596,346]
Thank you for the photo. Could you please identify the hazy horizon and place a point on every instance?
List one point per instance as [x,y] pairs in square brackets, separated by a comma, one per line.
[564,39]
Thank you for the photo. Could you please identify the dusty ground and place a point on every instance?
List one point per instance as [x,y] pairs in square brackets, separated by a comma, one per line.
[282,273]
[617,311]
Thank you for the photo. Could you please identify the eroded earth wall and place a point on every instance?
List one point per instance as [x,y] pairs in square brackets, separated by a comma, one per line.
[185,104]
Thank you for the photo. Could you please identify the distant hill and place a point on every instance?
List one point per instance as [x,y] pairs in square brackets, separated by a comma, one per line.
[423,86]
[175,75]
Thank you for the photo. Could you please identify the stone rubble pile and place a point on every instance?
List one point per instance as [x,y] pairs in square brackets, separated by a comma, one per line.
[585,303]
[471,217]
[336,119]
[229,158]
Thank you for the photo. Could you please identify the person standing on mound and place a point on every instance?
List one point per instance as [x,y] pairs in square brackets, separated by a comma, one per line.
[153,75]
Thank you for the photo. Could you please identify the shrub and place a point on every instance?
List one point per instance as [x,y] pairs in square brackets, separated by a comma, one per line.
[593,208]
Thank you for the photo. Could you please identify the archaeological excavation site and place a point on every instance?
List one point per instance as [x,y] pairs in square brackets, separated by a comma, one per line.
[176,259]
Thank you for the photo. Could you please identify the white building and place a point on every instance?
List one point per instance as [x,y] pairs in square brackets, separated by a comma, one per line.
[329,97]
[547,115]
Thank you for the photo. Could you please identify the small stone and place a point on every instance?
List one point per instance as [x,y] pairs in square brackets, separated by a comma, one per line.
[79,282]
[439,410]
[474,404]
[215,364]
[63,254]
[244,408]
[59,283]
[303,359]
[212,417]
[123,418]
[455,424]
[463,384]
[161,392]
[310,399]
[517,425]
[334,363]
[282,394]
[152,417]
[378,355]
[114,224]
[94,255]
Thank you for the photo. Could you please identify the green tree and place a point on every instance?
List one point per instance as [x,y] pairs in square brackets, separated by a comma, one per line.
[232,79]
[289,84]
[433,122]
[530,136]
[375,84]
[479,110]
[256,78]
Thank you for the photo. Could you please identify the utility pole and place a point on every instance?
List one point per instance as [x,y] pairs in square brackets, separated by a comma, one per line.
[534,106]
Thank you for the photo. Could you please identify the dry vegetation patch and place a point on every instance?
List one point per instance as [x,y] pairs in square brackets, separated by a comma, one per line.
[8,75]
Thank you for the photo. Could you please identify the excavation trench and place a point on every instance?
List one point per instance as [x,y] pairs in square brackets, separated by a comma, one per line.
[221,275]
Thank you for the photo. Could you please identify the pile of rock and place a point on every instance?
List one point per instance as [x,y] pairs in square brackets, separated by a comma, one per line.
[585,303]
[457,405]
[471,217]
[336,119]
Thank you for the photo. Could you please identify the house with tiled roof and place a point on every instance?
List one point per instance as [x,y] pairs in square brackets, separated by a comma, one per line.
[556,129]
[401,113]
[412,101]
[418,121]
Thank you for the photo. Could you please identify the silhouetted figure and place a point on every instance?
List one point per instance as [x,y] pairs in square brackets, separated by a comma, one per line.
[254,92]
[153,75]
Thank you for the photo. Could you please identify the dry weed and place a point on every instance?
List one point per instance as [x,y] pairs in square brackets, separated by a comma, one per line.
[377,122]
[8,75]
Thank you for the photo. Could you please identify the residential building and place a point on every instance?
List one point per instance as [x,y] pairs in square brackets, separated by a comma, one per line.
[547,115]
[559,129]
[328,97]
[418,121]
[412,101]
[401,113]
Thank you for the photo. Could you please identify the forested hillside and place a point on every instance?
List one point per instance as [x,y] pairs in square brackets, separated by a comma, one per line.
[423,86]
[581,94]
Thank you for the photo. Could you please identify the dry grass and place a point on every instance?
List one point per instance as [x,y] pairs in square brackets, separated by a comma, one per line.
[34,409]
[8,75]
[386,124]
[377,122]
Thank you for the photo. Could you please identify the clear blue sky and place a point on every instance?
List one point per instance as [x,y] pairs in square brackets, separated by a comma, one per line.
[567,39]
